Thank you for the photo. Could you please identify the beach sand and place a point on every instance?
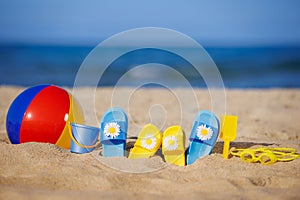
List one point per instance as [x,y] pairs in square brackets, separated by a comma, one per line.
[266,118]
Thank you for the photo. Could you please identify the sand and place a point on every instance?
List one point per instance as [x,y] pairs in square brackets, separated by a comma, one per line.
[266,118]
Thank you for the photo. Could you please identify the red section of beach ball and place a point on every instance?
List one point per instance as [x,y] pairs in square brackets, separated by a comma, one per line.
[46,115]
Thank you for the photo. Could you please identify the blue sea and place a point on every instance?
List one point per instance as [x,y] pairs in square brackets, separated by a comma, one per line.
[240,67]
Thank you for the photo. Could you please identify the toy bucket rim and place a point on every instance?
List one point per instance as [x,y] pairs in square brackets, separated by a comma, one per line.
[84,126]
[76,142]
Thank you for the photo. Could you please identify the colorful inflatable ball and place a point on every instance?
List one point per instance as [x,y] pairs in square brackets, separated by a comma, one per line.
[42,114]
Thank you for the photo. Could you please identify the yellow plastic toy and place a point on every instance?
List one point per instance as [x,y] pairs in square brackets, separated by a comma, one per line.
[173,145]
[148,142]
[266,156]
[228,132]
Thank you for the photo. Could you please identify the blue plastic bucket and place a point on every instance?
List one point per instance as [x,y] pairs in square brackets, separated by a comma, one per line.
[84,138]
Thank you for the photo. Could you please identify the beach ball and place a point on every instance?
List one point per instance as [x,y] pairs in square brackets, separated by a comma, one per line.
[42,114]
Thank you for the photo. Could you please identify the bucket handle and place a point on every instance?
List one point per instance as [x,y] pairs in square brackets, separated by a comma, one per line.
[77,143]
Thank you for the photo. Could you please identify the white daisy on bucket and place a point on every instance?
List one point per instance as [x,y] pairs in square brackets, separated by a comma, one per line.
[112,129]
[204,133]
[148,142]
[170,143]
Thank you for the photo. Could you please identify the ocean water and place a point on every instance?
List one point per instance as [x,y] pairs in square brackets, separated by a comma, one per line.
[240,67]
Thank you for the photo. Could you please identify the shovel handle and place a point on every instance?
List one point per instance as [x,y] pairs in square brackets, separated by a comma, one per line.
[226,149]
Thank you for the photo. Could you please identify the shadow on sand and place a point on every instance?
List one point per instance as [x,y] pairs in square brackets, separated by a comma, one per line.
[219,145]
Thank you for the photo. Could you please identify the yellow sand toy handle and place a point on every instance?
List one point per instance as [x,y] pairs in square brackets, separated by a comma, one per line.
[76,142]
[228,132]
[226,149]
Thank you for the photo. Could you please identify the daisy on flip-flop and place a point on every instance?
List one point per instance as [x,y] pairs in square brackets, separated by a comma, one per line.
[149,142]
[171,143]
[112,129]
[204,133]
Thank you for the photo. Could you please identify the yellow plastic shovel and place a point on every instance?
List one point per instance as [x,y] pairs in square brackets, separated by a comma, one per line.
[228,132]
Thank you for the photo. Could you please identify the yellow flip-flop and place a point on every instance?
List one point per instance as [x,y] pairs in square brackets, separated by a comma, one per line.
[148,142]
[173,145]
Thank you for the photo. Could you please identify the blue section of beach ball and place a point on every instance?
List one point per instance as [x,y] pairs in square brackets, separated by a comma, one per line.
[17,110]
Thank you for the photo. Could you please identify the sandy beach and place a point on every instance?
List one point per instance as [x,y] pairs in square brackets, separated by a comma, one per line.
[266,118]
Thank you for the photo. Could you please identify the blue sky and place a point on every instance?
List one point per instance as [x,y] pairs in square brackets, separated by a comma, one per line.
[229,22]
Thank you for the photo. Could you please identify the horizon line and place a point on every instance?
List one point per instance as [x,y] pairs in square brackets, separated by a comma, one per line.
[204,44]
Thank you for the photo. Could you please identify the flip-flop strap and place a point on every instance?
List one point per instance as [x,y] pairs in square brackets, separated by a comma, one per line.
[194,137]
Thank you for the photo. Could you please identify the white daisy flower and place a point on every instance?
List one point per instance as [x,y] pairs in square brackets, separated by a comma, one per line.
[204,133]
[148,142]
[112,129]
[171,143]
